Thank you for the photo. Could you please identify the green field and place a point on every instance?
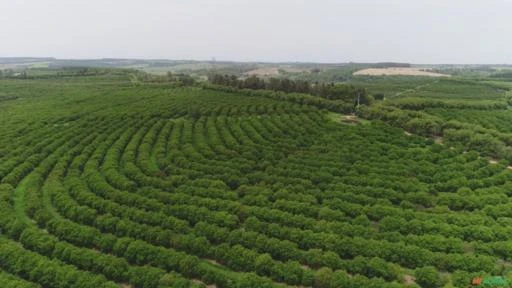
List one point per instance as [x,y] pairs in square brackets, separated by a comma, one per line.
[110,180]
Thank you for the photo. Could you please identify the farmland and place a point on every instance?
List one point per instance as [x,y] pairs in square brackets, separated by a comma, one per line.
[110,178]
[399,71]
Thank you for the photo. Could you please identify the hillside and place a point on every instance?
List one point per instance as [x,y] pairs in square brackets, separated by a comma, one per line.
[112,180]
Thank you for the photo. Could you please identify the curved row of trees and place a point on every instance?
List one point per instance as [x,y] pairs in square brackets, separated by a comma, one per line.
[250,192]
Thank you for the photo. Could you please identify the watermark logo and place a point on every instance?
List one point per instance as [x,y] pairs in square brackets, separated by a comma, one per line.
[490,282]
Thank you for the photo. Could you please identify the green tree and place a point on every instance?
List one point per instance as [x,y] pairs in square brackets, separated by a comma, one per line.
[427,277]
[323,277]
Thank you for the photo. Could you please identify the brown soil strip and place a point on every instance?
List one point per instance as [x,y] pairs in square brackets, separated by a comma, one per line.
[399,71]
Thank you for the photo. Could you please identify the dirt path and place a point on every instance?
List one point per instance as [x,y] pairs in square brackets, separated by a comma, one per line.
[351,119]
[197,281]
[494,162]
[409,280]
[414,89]
[214,262]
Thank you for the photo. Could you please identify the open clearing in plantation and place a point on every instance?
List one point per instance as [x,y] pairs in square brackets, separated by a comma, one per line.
[393,71]
[273,71]
[267,71]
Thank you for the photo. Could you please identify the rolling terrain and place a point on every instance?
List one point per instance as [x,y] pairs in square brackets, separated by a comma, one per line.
[110,180]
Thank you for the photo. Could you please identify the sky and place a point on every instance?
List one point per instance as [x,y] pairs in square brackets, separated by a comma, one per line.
[413,31]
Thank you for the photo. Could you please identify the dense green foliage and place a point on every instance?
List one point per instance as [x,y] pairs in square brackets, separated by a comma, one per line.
[106,181]
[347,94]
[470,115]
[330,91]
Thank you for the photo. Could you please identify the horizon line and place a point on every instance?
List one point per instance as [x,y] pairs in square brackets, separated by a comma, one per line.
[43,58]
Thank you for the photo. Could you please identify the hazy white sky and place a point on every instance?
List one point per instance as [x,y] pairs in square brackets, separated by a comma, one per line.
[417,31]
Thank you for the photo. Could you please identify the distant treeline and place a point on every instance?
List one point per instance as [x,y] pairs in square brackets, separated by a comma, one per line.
[331,91]
[21,60]
[136,76]
[177,78]
[390,64]
[507,74]
[49,73]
